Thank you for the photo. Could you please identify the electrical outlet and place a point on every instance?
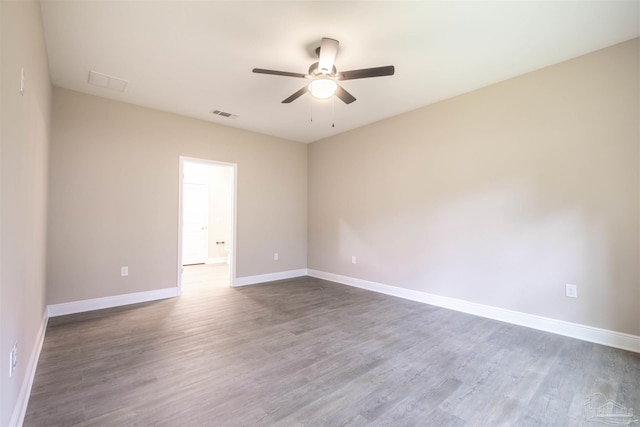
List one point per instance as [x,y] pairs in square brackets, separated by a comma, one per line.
[275,256]
[571,290]
[13,359]
[353,259]
[124,271]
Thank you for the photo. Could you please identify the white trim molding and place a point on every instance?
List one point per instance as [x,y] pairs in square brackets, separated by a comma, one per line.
[112,301]
[574,330]
[269,277]
[20,409]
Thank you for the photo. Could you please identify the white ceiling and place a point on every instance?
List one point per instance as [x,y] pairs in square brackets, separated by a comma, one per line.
[192,57]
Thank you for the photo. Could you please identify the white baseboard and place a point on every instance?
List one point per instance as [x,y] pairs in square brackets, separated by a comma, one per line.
[560,327]
[270,277]
[20,409]
[217,260]
[112,301]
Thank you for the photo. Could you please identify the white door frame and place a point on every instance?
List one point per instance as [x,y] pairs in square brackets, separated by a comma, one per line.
[234,198]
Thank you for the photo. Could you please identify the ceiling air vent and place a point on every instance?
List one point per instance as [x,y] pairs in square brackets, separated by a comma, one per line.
[224,114]
[107,82]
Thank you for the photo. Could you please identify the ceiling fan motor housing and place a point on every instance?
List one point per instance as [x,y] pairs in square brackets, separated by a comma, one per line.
[314,70]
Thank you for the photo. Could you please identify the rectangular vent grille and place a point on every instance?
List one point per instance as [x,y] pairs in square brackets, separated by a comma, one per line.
[224,114]
[107,82]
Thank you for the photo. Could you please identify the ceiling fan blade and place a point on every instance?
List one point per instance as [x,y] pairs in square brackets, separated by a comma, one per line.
[327,55]
[296,95]
[367,72]
[345,96]
[279,73]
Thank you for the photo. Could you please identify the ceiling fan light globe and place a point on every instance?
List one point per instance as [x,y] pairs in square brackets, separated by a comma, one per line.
[322,88]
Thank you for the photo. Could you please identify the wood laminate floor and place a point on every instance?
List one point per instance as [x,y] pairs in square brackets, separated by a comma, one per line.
[310,352]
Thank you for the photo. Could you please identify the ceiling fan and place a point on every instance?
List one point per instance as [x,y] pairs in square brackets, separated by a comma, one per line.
[324,76]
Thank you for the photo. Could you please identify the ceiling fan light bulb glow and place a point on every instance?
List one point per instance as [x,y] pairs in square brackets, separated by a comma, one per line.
[322,88]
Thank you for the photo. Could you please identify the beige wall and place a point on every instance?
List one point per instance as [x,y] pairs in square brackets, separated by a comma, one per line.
[114,196]
[500,196]
[24,139]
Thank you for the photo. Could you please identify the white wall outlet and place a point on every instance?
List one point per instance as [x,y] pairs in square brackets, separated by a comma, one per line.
[124,271]
[275,256]
[22,81]
[13,359]
[353,259]
[571,290]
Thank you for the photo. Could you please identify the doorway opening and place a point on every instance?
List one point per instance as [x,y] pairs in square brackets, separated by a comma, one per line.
[206,223]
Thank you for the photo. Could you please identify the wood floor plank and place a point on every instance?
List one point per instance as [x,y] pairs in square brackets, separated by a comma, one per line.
[307,351]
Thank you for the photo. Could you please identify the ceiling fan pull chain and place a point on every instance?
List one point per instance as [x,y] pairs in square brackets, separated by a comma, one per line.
[333,112]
